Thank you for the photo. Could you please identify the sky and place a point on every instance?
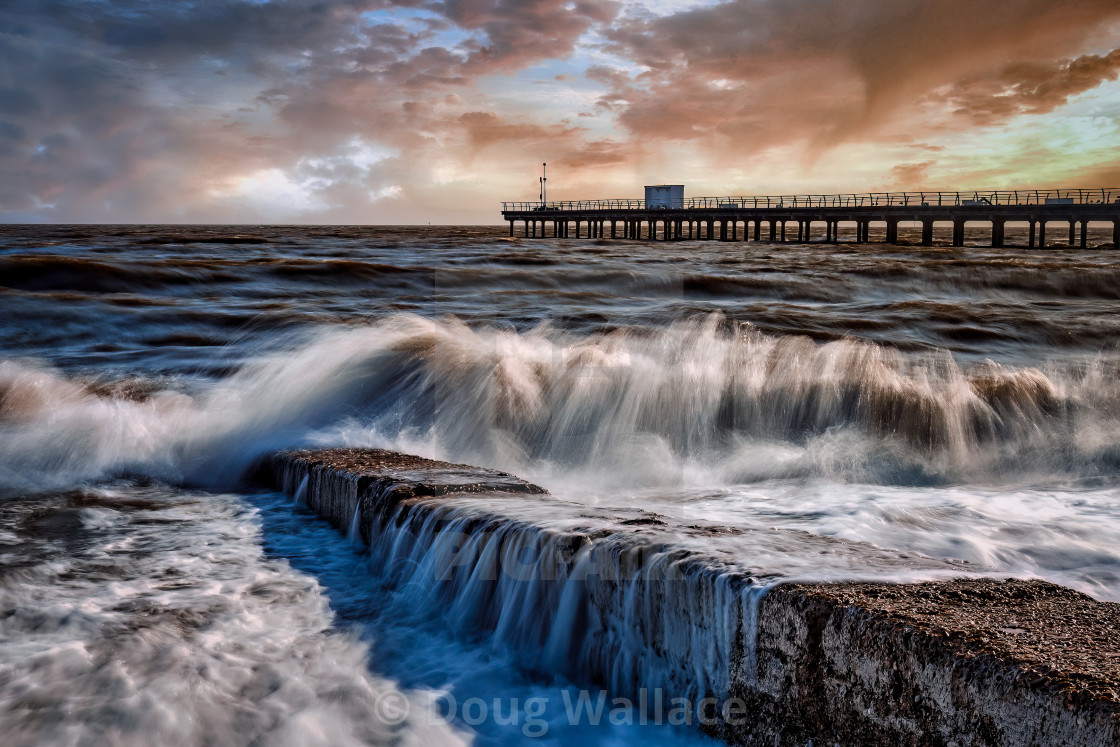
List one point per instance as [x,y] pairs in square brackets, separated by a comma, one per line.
[417,111]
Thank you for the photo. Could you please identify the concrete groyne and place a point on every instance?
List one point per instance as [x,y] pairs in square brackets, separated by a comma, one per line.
[635,602]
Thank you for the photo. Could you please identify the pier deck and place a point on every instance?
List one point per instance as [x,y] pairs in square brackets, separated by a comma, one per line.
[769,218]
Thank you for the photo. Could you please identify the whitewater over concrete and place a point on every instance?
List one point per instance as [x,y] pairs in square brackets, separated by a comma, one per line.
[638,606]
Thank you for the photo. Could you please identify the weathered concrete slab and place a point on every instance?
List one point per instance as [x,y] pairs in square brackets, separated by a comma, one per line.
[964,661]
[336,482]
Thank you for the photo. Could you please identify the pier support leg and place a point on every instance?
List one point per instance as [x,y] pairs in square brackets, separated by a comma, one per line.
[773,230]
[783,232]
[734,230]
[803,231]
[958,233]
[1042,234]
[1072,230]
[613,230]
[526,229]
[757,229]
[997,233]
[1116,234]
[892,231]
[1084,233]
[711,230]
[927,233]
[511,228]
[1030,235]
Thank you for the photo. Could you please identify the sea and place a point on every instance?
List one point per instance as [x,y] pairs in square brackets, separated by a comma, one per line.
[955,404]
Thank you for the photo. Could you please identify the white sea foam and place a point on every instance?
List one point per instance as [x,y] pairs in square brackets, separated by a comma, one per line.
[161,622]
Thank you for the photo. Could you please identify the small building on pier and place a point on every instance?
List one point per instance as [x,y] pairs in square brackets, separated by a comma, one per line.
[665,196]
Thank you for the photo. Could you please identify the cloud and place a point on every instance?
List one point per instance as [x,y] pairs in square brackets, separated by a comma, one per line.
[1029,87]
[759,73]
[356,110]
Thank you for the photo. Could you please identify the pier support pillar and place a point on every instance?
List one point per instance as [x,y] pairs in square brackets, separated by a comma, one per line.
[783,232]
[1031,234]
[711,230]
[734,230]
[958,233]
[757,229]
[511,228]
[773,230]
[892,230]
[1116,234]
[927,233]
[526,229]
[803,231]
[1084,233]
[1042,234]
[1072,231]
[997,233]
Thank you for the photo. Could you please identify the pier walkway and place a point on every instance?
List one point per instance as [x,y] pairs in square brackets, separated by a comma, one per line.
[805,217]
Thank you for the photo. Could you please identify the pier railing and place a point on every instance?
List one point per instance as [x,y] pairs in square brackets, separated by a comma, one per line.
[979,198]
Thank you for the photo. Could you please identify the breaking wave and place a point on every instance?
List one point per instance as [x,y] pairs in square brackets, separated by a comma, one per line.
[704,400]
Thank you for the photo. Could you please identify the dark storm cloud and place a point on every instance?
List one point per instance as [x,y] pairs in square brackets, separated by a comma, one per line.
[111,107]
[766,72]
[1029,87]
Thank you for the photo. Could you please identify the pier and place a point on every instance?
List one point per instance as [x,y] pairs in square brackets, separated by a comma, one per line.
[804,218]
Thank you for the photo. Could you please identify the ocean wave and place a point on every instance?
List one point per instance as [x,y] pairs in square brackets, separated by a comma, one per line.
[622,407]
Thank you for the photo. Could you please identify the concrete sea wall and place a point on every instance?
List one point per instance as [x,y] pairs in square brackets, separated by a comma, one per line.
[639,605]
